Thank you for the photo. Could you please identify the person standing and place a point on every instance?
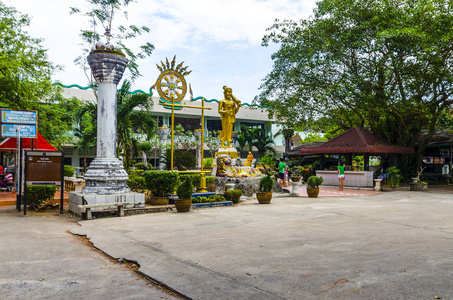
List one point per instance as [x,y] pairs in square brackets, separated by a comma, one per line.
[341,177]
[281,172]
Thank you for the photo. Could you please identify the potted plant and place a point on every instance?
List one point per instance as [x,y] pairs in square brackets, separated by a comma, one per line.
[161,183]
[233,195]
[264,195]
[417,184]
[394,177]
[268,161]
[313,184]
[184,192]
[295,172]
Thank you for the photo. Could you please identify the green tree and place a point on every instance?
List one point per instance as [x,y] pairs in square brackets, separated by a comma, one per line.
[85,129]
[102,13]
[383,65]
[263,143]
[134,118]
[314,137]
[247,136]
[24,66]
[56,118]
[134,122]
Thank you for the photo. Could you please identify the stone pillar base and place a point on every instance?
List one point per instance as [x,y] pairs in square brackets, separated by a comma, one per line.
[76,199]
[106,176]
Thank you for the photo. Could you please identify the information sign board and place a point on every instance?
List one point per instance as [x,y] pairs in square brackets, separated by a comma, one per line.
[26,131]
[19,116]
[43,167]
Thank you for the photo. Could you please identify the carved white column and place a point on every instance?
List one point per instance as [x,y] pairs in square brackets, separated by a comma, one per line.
[106,174]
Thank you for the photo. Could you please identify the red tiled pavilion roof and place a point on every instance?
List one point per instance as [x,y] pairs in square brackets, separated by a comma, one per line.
[357,140]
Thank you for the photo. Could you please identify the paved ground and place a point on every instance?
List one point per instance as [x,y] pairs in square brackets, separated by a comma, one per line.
[40,259]
[395,245]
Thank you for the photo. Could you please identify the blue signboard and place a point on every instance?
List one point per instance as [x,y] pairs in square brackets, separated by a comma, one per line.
[19,116]
[26,131]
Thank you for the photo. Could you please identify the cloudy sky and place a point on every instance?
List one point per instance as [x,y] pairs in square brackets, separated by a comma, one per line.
[219,40]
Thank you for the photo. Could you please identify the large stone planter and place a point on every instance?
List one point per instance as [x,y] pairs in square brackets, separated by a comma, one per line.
[264,197]
[183,205]
[153,200]
[312,192]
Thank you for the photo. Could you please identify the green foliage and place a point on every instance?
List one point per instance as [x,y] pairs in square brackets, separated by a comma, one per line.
[380,65]
[102,13]
[136,181]
[38,194]
[182,160]
[200,200]
[233,195]
[210,179]
[266,183]
[25,70]
[56,119]
[185,189]
[131,121]
[213,198]
[161,183]
[307,171]
[194,178]
[394,176]
[269,160]
[68,170]
[141,166]
[216,198]
[314,181]
[208,162]
[314,137]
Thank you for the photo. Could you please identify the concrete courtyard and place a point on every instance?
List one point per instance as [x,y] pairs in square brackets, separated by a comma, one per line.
[395,245]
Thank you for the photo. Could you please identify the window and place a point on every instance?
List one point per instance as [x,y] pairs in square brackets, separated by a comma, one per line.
[213,125]
[188,124]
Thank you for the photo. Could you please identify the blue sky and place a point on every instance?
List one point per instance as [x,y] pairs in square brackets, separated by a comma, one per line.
[219,40]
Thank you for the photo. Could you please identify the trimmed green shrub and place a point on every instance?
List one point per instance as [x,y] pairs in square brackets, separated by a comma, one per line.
[194,178]
[210,179]
[161,183]
[233,195]
[266,184]
[185,189]
[136,181]
[314,181]
[213,198]
[216,198]
[38,194]
[68,170]
[199,200]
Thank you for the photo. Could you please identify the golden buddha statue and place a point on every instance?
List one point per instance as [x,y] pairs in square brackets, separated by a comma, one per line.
[228,109]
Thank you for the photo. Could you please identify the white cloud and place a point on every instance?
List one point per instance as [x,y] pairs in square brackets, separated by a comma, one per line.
[218,40]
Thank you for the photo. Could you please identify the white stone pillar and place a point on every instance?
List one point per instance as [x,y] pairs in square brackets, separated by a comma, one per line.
[106,130]
[106,174]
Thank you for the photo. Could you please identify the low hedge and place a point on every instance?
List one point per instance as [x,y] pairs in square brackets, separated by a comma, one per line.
[161,183]
[213,198]
[38,194]
[233,195]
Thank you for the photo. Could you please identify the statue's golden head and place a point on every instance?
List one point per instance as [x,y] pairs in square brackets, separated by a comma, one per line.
[227,91]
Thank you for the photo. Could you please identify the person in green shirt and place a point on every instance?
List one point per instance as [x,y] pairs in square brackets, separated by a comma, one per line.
[281,172]
[341,177]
